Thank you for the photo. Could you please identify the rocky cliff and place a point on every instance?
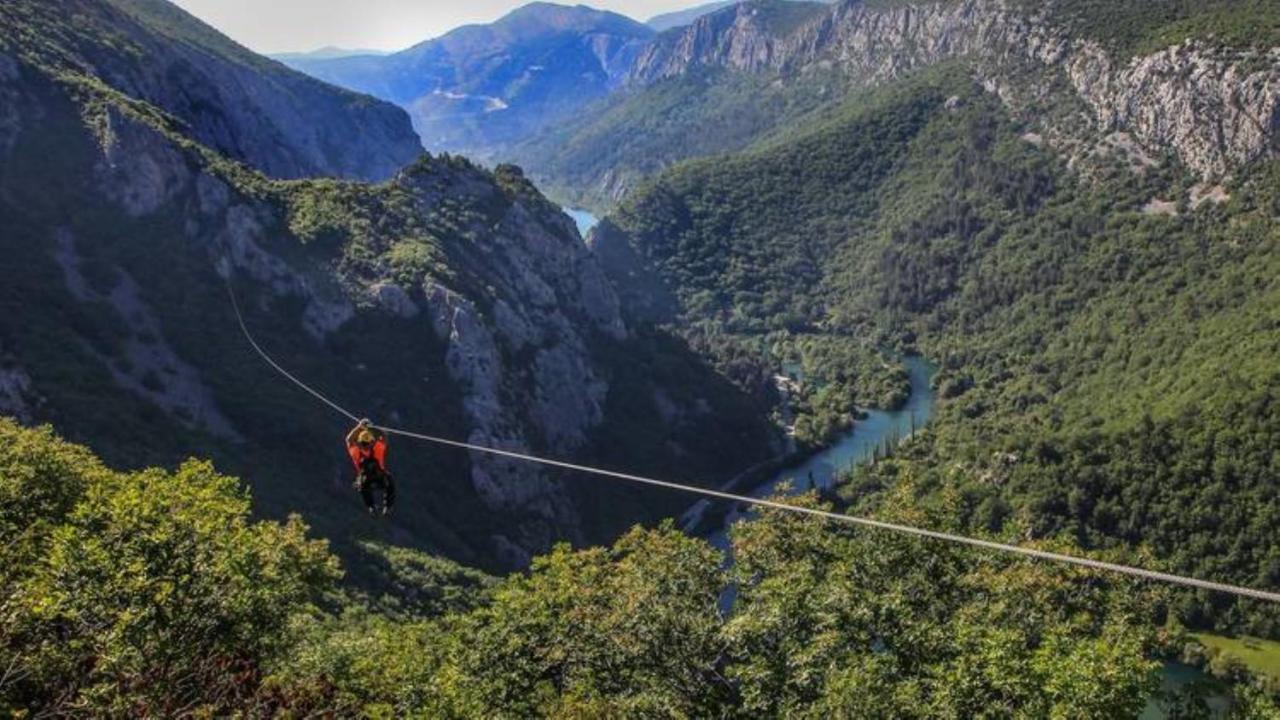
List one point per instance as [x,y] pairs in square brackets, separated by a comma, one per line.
[1213,107]
[752,36]
[451,300]
[244,106]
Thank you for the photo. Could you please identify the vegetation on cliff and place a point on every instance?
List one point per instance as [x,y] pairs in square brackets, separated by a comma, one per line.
[124,220]
[1107,374]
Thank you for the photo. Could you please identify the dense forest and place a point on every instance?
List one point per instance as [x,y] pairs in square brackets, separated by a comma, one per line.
[1108,373]
[154,593]
[1137,28]
[1105,321]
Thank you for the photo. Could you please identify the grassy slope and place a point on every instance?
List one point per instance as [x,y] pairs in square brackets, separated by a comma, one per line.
[1260,656]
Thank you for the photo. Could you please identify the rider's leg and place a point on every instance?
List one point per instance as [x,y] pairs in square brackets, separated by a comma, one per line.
[365,487]
[388,491]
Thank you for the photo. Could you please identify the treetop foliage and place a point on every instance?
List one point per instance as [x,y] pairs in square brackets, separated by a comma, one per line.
[154,593]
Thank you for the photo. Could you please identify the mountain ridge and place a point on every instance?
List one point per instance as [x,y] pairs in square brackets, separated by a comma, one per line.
[1213,104]
[680,18]
[245,106]
[479,86]
[503,328]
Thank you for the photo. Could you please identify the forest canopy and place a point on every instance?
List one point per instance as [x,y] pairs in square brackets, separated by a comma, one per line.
[154,592]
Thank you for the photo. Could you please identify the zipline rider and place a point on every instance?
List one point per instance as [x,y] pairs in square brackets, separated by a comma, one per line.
[367,447]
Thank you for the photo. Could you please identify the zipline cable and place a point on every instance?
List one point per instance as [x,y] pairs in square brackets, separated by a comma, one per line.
[775,505]
[249,336]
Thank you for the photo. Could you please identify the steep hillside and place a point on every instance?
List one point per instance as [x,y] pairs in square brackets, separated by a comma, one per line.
[450,299]
[749,37]
[247,107]
[482,86]
[1199,83]
[1107,341]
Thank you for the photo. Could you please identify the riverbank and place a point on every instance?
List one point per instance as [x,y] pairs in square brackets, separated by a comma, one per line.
[873,432]
[820,470]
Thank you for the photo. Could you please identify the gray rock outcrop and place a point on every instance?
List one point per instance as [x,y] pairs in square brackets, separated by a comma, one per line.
[523,361]
[518,353]
[245,106]
[1211,107]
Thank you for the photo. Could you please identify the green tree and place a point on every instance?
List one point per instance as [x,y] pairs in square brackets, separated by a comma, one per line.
[153,594]
[628,631]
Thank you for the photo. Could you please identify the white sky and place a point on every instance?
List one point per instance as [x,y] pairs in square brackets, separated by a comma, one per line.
[269,26]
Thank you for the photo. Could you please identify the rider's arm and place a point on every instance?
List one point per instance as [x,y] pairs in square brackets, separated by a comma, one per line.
[351,436]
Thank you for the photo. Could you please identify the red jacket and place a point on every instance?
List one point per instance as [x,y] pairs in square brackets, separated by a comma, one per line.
[378,452]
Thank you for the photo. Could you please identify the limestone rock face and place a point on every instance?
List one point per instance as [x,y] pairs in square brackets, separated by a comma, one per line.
[733,38]
[138,168]
[149,366]
[248,108]
[1212,108]
[394,299]
[518,341]
[10,118]
[523,361]
[647,297]
[1215,110]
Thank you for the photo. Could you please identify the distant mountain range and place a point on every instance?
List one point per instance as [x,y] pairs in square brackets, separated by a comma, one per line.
[481,87]
[325,53]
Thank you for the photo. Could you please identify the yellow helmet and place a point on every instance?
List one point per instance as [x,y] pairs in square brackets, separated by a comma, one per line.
[365,437]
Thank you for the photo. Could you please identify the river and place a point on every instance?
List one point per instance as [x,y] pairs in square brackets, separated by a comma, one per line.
[857,446]
[1176,676]
[584,220]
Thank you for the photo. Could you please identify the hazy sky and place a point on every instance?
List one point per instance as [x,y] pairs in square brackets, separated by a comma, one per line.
[285,25]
